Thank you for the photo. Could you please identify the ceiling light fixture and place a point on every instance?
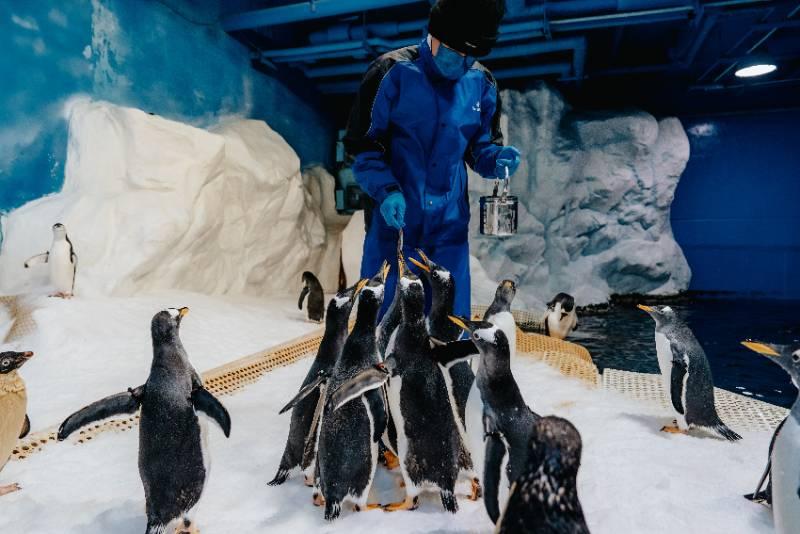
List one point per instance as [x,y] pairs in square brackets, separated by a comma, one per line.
[751,70]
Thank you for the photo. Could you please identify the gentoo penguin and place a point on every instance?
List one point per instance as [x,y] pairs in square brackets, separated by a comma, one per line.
[348,438]
[785,456]
[428,441]
[62,260]
[14,424]
[506,420]
[316,297]
[560,318]
[173,460]
[391,319]
[499,314]
[459,377]
[300,450]
[544,499]
[686,374]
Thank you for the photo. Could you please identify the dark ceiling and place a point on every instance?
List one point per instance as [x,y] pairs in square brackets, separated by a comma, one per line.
[671,57]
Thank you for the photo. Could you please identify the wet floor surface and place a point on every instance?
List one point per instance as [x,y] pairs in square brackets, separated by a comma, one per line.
[623,338]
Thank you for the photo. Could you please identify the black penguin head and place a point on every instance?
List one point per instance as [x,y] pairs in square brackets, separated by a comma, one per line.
[341,305]
[412,295]
[504,296]
[372,291]
[165,324]
[555,449]
[661,314]
[566,301]
[787,356]
[486,336]
[11,361]
[439,278]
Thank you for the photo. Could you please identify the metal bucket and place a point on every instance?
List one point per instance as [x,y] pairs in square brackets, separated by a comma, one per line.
[499,212]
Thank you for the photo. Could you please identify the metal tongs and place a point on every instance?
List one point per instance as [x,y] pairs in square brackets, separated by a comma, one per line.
[505,186]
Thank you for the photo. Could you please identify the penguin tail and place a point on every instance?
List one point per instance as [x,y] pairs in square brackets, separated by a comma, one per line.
[723,430]
[332,510]
[449,501]
[153,528]
[280,478]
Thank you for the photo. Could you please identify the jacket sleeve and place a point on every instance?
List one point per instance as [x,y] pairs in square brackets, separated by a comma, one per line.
[488,141]
[366,139]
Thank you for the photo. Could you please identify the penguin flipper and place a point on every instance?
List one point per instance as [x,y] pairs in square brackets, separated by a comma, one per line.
[303,294]
[454,352]
[377,408]
[38,259]
[676,384]
[26,427]
[305,391]
[495,452]
[205,402]
[370,379]
[127,402]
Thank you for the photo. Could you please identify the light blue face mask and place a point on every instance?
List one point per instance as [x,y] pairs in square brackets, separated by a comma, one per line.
[451,64]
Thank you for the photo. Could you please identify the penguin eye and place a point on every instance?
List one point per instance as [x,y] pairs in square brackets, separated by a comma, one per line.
[475,336]
[796,357]
[6,362]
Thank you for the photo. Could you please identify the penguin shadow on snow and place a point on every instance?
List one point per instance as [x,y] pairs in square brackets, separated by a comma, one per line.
[123,519]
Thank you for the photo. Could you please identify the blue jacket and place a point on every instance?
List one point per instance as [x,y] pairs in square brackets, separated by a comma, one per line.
[412,130]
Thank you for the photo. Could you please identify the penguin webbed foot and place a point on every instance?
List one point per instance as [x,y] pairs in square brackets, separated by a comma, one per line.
[409,503]
[476,492]
[391,460]
[186,526]
[673,429]
[10,488]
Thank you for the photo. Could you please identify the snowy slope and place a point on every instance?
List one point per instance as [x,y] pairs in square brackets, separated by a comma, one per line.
[634,479]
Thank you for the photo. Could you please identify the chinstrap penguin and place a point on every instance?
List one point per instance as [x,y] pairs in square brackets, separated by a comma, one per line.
[173,462]
[544,498]
[686,375]
[348,438]
[507,421]
[300,450]
[785,455]
[561,318]
[62,261]
[315,308]
[14,423]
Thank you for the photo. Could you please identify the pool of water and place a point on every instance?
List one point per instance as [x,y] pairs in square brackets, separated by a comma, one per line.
[623,338]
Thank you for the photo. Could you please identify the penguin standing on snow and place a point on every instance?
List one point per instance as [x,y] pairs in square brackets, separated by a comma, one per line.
[62,260]
[544,499]
[14,423]
[428,441]
[316,297]
[306,408]
[507,421]
[348,438]
[173,462]
[560,318]
[785,455]
[686,374]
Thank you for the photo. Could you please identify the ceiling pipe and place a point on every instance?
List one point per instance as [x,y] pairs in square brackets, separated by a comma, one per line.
[302,11]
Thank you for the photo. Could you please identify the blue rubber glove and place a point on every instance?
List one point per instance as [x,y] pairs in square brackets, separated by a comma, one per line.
[508,157]
[393,209]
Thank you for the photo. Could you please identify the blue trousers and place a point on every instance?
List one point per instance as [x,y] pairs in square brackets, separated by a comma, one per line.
[453,257]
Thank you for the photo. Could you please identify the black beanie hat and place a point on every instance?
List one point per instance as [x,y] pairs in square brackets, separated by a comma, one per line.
[468,26]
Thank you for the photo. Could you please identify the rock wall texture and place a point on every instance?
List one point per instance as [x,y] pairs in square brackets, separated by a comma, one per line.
[595,193]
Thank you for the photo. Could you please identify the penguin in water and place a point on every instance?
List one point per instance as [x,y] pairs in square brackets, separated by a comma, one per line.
[62,260]
[785,455]
[14,423]
[348,438]
[507,421]
[300,450]
[686,374]
[316,297]
[173,461]
[560,318]
[428,440]
[544,499]
[459,377]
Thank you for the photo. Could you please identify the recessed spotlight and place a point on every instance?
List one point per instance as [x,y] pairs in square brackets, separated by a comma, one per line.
[757,69]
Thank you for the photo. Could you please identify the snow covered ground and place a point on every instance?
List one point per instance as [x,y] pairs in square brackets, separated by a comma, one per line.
[634,479]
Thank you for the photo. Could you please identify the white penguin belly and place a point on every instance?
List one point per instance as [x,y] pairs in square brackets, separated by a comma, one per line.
[62,271]
[361,500]
[786,478]
[393,393]
[473,419]
[505,322]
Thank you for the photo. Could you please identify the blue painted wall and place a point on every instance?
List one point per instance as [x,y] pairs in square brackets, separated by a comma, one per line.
[167,57]
[737,208]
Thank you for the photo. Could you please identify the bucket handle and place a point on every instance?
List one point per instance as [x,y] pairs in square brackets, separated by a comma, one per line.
[505,185]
